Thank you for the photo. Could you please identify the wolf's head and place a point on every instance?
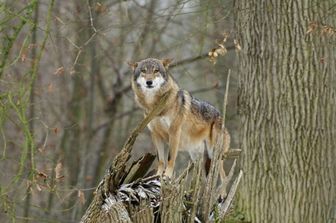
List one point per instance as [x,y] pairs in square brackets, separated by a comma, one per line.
[150,74]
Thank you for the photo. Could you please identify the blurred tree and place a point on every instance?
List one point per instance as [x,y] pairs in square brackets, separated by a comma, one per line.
[287,107]
[66,105]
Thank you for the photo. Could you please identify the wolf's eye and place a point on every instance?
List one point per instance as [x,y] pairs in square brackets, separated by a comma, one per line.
[143,70]
[156,70]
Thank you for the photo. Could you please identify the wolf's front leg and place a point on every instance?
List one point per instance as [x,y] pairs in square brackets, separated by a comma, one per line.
[159,145]
[174,141]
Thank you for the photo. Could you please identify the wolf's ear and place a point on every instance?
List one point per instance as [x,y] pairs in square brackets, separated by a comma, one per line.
[132,65]
[166,62]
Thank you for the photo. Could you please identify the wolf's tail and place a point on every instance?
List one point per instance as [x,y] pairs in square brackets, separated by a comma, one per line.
[217,131]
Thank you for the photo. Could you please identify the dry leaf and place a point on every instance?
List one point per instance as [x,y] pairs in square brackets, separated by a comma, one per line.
[58,171]
[81,197]
[60,20]
[221,45]
[212,56]
[59,71]
[42,175]
[50,88]
[38,187]
[322,29]
[29,183]
[88,178]
[55,130]
[221,51]
[23,57]
[100,8]
[226,36]
[216,84]
[41,149]
[328,30]
[237,45]
[312,27]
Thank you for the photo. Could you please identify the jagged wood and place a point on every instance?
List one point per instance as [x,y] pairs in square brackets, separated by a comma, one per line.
[142,213]
[111,180]
[124,195]
[224,207]
[139,168]
[116,170]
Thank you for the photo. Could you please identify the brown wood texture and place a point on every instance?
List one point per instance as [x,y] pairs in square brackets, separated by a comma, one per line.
[116,211]
[287,107]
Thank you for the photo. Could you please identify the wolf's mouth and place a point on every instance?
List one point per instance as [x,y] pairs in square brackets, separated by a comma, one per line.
[149,86]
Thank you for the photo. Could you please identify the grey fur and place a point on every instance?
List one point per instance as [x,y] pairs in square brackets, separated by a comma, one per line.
[207,111]
[149,65]
[181,97]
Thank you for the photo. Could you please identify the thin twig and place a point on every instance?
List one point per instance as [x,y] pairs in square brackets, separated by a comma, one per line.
[77,57]
[91,20]
[225,98]
[196,58]
[89,40]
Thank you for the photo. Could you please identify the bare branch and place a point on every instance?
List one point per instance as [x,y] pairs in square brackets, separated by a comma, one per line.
[91,19]
[223,208]
[196,58]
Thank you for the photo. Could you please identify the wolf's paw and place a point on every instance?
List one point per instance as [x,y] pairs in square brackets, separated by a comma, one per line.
[169,172]
[159,172]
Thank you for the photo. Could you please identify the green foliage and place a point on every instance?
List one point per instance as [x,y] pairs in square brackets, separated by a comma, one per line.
[7,205]
[20,107]
[3,118]
[13,23]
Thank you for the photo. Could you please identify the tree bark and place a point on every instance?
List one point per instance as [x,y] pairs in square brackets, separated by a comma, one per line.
[287,107]
[115,213]
[106,207]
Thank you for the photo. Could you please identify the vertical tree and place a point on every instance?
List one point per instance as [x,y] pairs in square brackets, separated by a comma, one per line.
[287,107]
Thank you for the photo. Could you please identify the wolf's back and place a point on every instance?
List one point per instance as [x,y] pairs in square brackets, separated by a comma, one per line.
[208,113]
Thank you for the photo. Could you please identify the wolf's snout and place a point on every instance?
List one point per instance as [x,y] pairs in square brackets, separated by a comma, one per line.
[149,83]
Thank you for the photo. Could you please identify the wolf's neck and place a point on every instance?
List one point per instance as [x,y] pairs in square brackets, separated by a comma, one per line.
[147,98]
[150,96]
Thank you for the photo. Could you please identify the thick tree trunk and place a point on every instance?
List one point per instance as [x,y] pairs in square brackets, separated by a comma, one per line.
[287,107]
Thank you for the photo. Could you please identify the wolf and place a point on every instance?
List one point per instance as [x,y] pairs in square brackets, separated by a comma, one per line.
[186,123]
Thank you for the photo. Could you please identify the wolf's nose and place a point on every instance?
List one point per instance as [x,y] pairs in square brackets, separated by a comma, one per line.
[149,83]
